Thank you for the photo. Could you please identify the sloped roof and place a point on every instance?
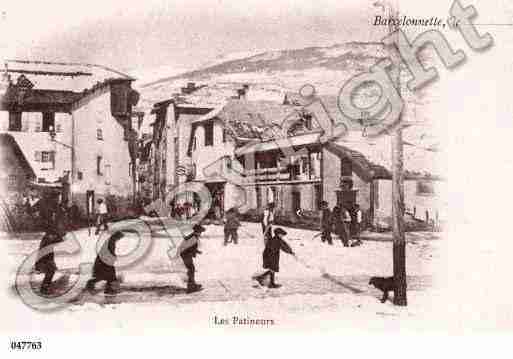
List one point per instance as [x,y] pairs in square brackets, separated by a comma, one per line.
[371,158]
[376,155]
[29,143]
[62,76]
[35,96]
[269,145]
[7,139]
[254,120]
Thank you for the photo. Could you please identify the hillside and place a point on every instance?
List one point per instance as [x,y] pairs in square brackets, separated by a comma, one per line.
[324,67]
[271,74]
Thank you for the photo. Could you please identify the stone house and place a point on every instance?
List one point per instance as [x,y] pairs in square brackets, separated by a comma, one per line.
[276,153]
[73,124]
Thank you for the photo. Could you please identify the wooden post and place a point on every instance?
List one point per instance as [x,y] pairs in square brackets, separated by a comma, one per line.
[399,244]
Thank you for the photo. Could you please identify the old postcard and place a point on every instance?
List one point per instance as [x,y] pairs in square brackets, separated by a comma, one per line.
[253,167]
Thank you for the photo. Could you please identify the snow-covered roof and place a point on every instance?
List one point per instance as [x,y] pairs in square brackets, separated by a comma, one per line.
[62,76]
[419,161]
[300,140]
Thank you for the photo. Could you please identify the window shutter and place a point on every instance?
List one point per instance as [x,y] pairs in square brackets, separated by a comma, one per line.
[99,165]
[52,157]
[38,156]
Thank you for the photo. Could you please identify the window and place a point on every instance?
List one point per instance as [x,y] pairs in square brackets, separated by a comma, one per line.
[318,196]
[308,121]
[58,127]
[273,196]
[99,165]
[425,188]
[44,156]
[48,121]
[224,135]
[11,181]
[315,165]
[305,165]
[80,175]
[258,196]
[209,134]
[295,171]
[346,167]
[99,134]
[48,157]
[192,174]
[14,121]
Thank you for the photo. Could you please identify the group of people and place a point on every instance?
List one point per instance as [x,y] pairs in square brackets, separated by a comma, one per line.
[345,223]
[182,210]
[338,221]
[55,217]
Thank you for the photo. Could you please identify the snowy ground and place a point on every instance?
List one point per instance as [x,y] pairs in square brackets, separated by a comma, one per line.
[150,291]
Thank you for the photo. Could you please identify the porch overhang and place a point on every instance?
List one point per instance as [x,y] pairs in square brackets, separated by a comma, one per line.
[280,143]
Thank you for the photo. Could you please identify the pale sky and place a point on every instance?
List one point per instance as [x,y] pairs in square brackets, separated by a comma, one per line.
[146,34]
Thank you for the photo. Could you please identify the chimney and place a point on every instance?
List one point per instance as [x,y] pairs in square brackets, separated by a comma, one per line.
[241,93]
[190,88]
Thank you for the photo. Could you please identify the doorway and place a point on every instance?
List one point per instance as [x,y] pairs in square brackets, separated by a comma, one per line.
[296,201]
[217,209]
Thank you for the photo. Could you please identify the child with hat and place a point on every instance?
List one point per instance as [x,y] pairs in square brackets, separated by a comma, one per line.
[188,250]
[271,257]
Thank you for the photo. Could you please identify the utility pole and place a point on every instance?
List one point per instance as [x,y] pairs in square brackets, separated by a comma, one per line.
[399,241]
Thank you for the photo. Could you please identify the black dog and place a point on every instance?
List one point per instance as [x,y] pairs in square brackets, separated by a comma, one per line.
[384,284]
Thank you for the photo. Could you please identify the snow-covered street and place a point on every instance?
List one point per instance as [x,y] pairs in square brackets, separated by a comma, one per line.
[151,289]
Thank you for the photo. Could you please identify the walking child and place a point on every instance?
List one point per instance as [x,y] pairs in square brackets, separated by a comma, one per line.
[231,226]
[340,225]
[271,257]
[326,223]
[188,250]
[101,218]
[49,215]
[103,268]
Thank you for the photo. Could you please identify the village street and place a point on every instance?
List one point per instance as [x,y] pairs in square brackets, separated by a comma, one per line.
[225,273]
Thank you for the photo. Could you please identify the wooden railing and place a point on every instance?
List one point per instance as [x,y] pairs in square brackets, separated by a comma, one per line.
[276,174]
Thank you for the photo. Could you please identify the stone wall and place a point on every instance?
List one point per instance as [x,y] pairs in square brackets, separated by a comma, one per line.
[93,113]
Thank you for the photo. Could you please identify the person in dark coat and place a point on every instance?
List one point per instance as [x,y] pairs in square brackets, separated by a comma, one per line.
[46,263]
[103,268]
[340,226]
[271,256]
[50,216]
[326,223]
[231,226]
[188,250]
[268,221]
